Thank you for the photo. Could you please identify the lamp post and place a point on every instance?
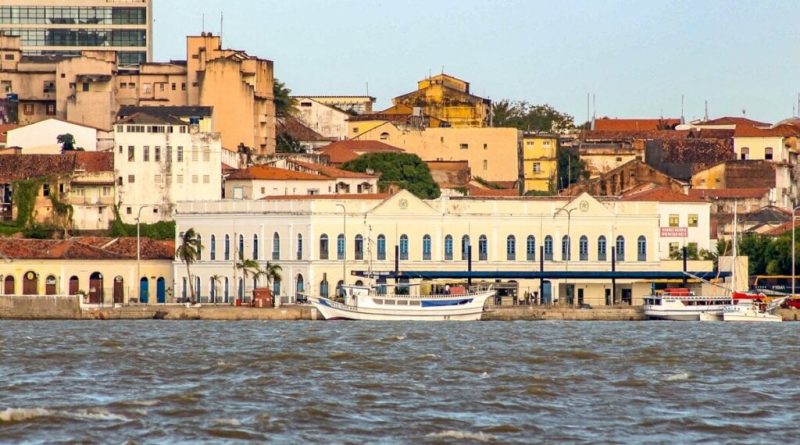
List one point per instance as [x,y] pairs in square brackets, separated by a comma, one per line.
[137,282]
[344,242]
[794,218]
[569,241]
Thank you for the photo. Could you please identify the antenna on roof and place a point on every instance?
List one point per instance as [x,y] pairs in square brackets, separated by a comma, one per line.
[683,121]
[594,109]
[798,104]
[367,89]
[706,116]
[220,25]
[203,24]
[588,112]
[744,111]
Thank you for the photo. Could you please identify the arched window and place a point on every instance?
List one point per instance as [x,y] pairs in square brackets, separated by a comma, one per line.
[212,288]
[255,246]
[197,288]
[426,247]
[241,246]
[227,290]
[323,247]
[240,289]
[276,288]
[213,250]
[464,247]
[403,247]
[50,285]
[74,284]
[566,248]
[601,248]
[530,248]
[227,247]
[276,246]
[323,288]
[359,247]
[511,248]
[340,247]
[548,248]
[299,246]
[583,248]
[199,247]
[745,153]
[641,244]
[448,247]
[620,248]
[483,248]
[768,153]
[381,247]
[384,136]
[184,288]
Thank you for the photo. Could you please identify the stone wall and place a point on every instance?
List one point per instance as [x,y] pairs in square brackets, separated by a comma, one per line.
[39,307]
[563,313]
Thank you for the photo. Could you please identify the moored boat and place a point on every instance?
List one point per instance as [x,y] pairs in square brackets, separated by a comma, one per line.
[683,305]
[758,310]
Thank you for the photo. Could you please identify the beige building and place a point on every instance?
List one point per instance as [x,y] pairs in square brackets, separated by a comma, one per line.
[90,89]
[492,153]
[67,27]
[294,178]
[319,241]
[540,162]
[42,137]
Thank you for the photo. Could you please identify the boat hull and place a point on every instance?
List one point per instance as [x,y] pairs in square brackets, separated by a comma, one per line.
[471,311]
[680,315]
[758,318]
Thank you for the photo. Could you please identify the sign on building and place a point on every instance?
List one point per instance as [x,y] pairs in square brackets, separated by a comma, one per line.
[674,232]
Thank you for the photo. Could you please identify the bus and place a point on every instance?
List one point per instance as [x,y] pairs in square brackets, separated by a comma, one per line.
[774,284]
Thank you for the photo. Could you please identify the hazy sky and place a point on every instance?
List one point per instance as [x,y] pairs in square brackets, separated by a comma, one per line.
[637,57]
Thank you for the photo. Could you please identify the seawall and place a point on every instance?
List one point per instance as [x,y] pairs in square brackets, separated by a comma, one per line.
[39,307]
[627,313]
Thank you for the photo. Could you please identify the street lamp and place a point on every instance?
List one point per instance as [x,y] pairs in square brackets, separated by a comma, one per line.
[569,242]
[137,282]
[794,217]
[344,242]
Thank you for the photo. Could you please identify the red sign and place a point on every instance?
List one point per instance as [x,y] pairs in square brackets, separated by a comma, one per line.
[674,232]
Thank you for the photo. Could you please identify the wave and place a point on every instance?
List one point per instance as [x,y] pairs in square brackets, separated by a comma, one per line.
[679,377]
[11,415]
[463,435]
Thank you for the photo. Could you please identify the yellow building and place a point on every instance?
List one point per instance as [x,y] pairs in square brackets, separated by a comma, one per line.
[540,162]
[447,98]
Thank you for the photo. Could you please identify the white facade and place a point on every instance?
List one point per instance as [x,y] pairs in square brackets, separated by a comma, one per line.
[260,188]
[302,236]
[41,137]
[159,165]
[324,119]
[685,224]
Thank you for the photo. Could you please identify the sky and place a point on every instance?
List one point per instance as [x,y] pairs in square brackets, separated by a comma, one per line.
[637,58]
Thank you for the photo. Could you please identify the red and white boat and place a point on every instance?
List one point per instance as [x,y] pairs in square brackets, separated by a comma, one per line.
[683,304]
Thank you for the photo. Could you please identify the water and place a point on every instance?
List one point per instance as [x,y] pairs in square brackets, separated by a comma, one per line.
[415,383]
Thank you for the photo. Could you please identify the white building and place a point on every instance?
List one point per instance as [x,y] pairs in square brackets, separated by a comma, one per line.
[296,178]
[159,161]
[326,120]
[42,137]
[319,240]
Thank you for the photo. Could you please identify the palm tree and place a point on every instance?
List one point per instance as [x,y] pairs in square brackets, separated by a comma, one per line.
[215,279]
[272,272]
[189,251]
[251,269]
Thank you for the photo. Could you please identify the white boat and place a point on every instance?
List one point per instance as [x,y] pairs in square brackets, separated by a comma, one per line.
[710,316]
[363,303]
[756,311]
[683,305]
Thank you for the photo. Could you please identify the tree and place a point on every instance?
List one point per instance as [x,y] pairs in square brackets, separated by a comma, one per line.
[215,280]
[285,143]
[402,169]
[285,104]
[571,168]
[251,269]
[67,141]
[189,251]
[527,117]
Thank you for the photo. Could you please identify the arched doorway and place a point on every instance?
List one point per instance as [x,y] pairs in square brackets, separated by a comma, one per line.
[96,288]
[9,286]
[50,285]
[161,290]
[30,283]
[119,290]
[299,287]
[144,290]
[74,285]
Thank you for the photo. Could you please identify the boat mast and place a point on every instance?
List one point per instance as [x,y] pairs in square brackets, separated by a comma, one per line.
[735,242]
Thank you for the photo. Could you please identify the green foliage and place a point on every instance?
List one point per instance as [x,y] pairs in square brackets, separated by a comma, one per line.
[25,192]
[403,169]
[488,184]
[538,193]
[285,143]
[38,231]
[571,168]
[188,251]
[162,230]
[67,141]
[527,117]
[285,105]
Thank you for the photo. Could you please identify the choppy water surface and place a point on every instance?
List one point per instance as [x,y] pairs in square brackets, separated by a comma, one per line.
[359,382]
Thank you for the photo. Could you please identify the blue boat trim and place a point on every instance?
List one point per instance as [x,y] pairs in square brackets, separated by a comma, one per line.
[439,303]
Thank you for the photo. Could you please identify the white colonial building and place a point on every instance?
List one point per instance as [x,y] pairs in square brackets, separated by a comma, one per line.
[42,137]
[319,240]
[159,161]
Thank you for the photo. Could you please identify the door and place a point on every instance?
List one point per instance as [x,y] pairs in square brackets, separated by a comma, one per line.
[161,290]
[50,285]
[547,292]
[30,283]
[74,285]
[580,297]
[9,286]
[627,296]
[144,291]
[96,288]
[119,290]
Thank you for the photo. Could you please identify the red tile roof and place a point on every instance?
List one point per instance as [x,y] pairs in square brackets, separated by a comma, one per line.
[487,192]
[16,167]
[4,128]
[635,124]
[331,172]
[733,120]
[342,151]
[729,193]
[86,248]
[659,194]
[296,129]
[364,196]
[779,131]
[264,172]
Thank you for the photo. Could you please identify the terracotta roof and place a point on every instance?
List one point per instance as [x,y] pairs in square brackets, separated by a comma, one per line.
[93,161]
[779,131]
[695,133]
[165,111]
[86,248]
[783,228]
[635,124]
[293,127]
[487,192]
[16,167]
[733,120]
[660,194]
[363,196]
[331,172]
[4,128]
[264,172]
[147,118]
[729,193]
[340,152]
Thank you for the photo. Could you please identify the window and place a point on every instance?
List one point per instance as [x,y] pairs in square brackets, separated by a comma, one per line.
[511,248]
[213,251]
[131,179]
[483,248]
[179,155]
[465,247]
[51,109]
[537,167]
[566,248]
[745,154]
[179,179]
[206,179]
[227,247]
[276,246]
[169,154]
[194,179]
[340,247]
[448,247]
[693,220]
[355,129]
[381,247]
[485,146]
[323,288]
[241,246]
[641,248]
[485,164]
[131,153]
[403,247]
[157,154]
[674,248]
[323,247]
[119,180]
[299,246]
[27,109]
[255,246]
[674,220]
[463,146]
[359,247]
[583,248]
[601,248]
[548,248]
[426,247]
[620,248]
[46,190]
[146,154]
[384,136]
[768,153]
[530,248]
